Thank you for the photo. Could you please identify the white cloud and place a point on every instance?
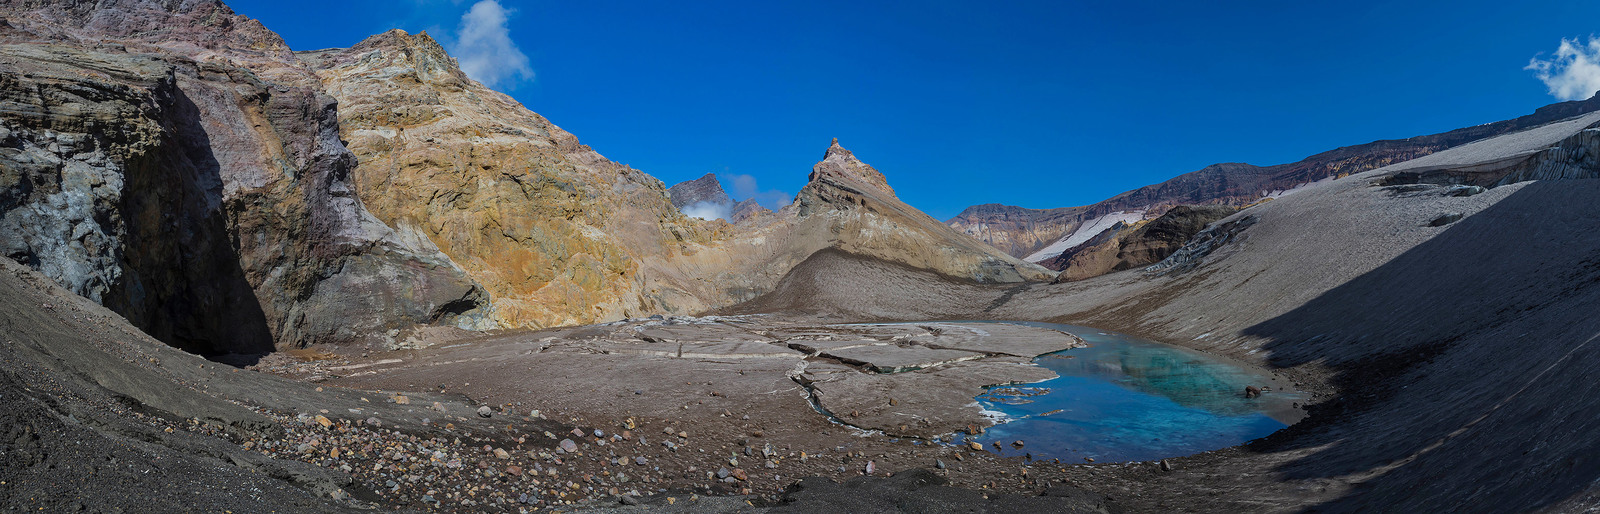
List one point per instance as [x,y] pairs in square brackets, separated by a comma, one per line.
[484,49]
[1574,72]
[744,186]
[708,211]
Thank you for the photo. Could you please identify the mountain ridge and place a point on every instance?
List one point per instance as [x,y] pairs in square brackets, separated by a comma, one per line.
[1021,231]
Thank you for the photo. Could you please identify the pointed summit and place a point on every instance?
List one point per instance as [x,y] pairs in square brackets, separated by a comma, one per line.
[839,163]
[397,53]
[706,189]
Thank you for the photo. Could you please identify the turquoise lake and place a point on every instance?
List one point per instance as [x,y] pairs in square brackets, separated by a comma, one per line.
[1128,399]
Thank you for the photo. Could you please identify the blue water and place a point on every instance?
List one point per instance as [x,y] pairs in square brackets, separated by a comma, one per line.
[1128,399]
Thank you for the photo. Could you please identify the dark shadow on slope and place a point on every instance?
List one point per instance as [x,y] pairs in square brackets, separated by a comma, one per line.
[182,281]
[1468,365]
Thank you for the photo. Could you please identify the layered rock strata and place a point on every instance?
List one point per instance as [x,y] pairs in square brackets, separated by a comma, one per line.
[177,163]
[1135,246]
[556,233]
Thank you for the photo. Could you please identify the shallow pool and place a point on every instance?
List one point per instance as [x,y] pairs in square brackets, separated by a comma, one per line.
[1129,399]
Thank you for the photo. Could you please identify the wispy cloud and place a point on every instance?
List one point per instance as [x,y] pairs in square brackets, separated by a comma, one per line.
[708,211]
[484,48]
[744,186]
[1573,73]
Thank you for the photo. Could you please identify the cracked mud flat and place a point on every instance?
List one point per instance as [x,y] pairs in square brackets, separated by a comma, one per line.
[741,404]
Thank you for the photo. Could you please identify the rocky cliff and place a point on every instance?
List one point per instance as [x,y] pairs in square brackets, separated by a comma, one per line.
[849,206]
[1134,246]
[1024,232]
[556,233]
[705,189]
[178,163]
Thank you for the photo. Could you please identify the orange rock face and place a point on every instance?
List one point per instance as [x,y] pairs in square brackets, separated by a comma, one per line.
[551,229]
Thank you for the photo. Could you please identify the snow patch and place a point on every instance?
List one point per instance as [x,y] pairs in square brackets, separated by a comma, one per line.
[1085,231]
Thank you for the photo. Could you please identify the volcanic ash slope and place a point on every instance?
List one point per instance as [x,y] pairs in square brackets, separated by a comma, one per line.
[1446,329]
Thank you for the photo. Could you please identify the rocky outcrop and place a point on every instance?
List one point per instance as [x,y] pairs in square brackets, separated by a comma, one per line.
[705,189]
[748,210]
[177,162]
[1021,232]
[839,164]
[555,233]
[1018,231]
[704,198]
[850,204]
[1135,246]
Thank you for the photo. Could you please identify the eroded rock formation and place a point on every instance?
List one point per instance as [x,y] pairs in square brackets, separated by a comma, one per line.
[1135,246]
[177,162]
[705,189]
[556,233]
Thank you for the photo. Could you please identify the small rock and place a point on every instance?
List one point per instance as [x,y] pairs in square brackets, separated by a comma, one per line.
[1166,466]
[514,470]
[485,411]
[871,467]
[567,445]
[628,499]
[938,464]
[1251,391]
[599,433]
[641,461]
[684,435]
[438,406]
[1017,443]
[501,454]
[723,473]
[374,422]
[401,399]
[741,475]
[976,446]
[1445,219]
[577,432]
[771,465]
[324,421]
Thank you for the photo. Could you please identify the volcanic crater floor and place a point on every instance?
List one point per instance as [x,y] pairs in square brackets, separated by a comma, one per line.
[683,409]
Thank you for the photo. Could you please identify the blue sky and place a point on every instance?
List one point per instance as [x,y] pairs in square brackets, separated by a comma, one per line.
[1046,104]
